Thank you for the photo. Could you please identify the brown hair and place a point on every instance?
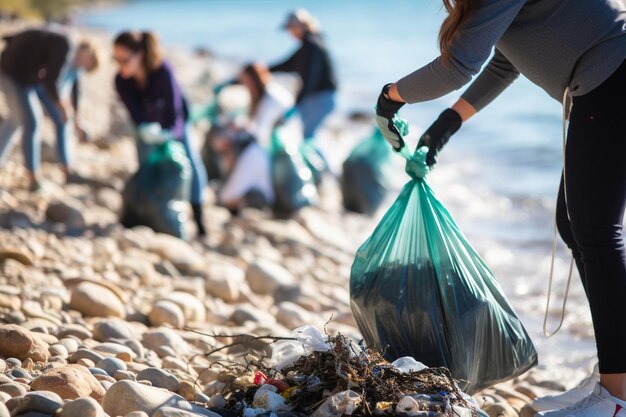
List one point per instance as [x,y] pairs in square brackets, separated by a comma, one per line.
[458,12]
[260,76]
[146,42]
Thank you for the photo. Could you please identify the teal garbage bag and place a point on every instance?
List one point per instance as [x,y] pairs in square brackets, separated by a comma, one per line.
[293,182]
[363,181]
[419,289]
[157,194]
[314,160]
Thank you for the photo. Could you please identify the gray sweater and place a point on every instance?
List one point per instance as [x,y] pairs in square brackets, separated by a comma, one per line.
[554,43]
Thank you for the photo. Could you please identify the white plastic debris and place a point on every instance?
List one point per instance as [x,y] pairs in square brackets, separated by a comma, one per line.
[408,405]
[308,340]
[407,364]
[342,403]
[268,400]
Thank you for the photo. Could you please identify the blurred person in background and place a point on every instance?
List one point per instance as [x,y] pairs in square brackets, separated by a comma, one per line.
[148,88]
[42,67]
[269,101]
[317,95]
[246,169]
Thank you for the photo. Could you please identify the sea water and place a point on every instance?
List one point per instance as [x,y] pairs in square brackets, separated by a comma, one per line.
[498,176]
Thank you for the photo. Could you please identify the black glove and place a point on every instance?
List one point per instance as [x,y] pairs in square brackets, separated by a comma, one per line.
[386,109]
[438,134]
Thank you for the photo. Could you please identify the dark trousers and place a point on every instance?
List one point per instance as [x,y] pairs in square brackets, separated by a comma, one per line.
[590,211]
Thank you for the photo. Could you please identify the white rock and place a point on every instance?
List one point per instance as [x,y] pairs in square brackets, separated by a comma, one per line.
[92,299]
[192,308]
[265,277]
[166,312]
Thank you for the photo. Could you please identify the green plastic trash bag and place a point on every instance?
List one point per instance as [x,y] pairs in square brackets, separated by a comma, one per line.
[292,179]
[419,289]
[157,194]
[314,160]
[364,181]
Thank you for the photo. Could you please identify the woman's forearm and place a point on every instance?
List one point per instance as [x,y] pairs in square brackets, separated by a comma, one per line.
[464,109]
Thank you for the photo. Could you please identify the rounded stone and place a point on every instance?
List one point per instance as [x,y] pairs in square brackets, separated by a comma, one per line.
[14,389]
[17,342]
[111,365]
[82,407]
[84,353]
[95,300]
[112,329]
[187,390]
[71,382]
[97,371]
[70,344]
[166,312]
[266,277]
[58,350]
[193,309]
[124,397]
[21,373]
[40,401]
[159,378]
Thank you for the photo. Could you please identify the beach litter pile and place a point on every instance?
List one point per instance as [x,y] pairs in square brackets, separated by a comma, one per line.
[317,375]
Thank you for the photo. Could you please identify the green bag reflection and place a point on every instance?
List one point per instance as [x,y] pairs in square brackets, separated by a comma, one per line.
[363,181]
[419,289]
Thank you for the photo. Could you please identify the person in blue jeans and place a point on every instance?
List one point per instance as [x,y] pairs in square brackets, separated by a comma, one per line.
[317,96]
[41,67]
[146,85]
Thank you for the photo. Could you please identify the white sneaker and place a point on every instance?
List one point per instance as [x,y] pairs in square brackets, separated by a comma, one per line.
[597,404]
[567,398]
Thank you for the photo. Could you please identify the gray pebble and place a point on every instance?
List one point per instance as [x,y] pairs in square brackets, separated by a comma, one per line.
[98,371]
[40,401]
[159,378]
[21,373]
[111,365]
[13,362]
[84,353]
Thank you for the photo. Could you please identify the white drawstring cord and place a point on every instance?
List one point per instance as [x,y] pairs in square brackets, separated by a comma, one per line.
[566,112]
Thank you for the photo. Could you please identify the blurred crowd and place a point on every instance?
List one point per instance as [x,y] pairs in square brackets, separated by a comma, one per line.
[260,149]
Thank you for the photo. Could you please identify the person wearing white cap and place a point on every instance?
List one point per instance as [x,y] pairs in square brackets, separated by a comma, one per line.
[316,98]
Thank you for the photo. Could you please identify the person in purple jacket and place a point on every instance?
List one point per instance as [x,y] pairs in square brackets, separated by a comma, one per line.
[146,85]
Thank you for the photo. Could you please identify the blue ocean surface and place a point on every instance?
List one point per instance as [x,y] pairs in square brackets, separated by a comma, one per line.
[498,176]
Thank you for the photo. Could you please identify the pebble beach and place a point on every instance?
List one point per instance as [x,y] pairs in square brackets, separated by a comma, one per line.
[97,320]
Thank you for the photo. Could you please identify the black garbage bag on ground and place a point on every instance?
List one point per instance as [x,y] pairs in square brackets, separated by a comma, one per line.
[419,289]
[292,179]
[157,194]
[364,181]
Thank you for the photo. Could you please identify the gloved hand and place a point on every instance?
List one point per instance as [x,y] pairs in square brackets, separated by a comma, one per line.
[438,134]
[386,110]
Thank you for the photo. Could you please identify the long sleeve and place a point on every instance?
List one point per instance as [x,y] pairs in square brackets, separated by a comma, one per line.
[57,59]
[130,99]
[289,65]
[470,50]
[492,81]
[173,113]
